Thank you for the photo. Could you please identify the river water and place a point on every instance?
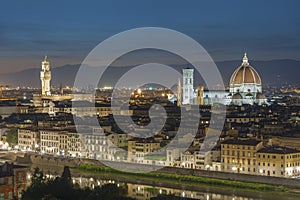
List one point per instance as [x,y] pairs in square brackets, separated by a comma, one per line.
[143,190]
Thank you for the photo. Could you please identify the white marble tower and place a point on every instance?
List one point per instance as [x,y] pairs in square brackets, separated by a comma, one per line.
[188,86]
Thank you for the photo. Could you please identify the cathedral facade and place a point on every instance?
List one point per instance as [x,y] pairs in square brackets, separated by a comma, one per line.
[245,87]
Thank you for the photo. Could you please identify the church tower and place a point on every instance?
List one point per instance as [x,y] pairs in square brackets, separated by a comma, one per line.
[188,86]
[200,94]
[45,76]
[179,93]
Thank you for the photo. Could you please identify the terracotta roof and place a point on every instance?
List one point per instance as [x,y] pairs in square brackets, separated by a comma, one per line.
[245,74]
[278,150]
[249,142]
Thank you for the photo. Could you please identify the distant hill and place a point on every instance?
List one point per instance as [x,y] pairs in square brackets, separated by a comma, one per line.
[271,72]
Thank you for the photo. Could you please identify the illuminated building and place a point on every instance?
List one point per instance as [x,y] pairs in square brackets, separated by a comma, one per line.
[278,161]
[137,150]
[97,146]
[188,86]
[28,139]
[200,95]
[239,155]
[246,85]
[54,142]
[45,76]
[179,93]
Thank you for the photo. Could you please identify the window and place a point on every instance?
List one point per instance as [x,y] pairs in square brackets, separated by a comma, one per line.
[1,196]
[10,196]
[20,176]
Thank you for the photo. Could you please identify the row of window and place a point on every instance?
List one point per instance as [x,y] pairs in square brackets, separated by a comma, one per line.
[239,147]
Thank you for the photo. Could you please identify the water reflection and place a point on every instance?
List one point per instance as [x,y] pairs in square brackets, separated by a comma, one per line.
[142,192]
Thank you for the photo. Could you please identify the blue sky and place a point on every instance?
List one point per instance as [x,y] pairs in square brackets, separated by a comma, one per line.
[68,30]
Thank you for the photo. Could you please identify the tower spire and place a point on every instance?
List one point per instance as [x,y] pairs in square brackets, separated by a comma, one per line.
[179,93]
[45,76]
[245,59]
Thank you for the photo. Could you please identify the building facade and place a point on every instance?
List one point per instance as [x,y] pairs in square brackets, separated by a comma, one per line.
[240,156]
[245,87]
[137,150]
[13,180]
[278,161]
[28,139]
[97,146]
[54,142]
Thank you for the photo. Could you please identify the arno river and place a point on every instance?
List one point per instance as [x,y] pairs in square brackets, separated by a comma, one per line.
[145,190]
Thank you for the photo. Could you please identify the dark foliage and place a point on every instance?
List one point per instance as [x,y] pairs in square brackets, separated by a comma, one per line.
[62,188]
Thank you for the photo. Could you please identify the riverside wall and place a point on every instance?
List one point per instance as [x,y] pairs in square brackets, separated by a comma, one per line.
[50,162]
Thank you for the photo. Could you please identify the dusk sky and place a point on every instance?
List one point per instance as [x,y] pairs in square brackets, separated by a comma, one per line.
[67,30]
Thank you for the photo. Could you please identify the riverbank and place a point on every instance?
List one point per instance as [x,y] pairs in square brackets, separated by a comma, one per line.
[186,179]
[235,180]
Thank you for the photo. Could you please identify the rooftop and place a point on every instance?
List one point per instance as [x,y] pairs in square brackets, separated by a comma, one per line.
[278,150]
[249,142]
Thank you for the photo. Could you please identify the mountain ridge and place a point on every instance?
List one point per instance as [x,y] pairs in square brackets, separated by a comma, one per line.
[271,72]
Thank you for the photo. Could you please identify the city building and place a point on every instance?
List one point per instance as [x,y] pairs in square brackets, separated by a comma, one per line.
[240,155]
[278,161]
[96,145]
[28,139]
[138,149]
[54,142]
[119,139]
[74,145]
[13,181]
[245,87]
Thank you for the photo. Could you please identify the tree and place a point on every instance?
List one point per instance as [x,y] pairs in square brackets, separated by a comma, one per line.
[62,188]
[12,137]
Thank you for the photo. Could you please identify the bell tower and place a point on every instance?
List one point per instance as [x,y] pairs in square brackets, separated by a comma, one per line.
[188,86]
[45,76]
